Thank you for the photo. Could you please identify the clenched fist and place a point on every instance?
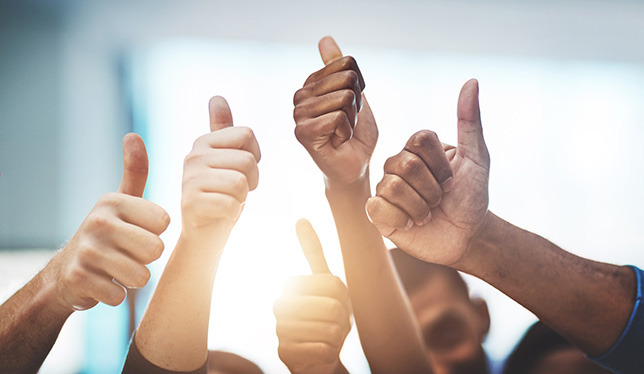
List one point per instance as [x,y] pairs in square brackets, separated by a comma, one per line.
[333,119]
[433,197]
[218,173]
[114,243]
[313,315]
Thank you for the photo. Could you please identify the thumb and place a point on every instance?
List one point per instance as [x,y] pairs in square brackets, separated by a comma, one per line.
[329,50]
[220,116]
[135,166]
[311,247]
[470,131]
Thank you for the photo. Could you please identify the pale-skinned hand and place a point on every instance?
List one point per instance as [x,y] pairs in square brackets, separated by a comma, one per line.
[218,173]
[114,243]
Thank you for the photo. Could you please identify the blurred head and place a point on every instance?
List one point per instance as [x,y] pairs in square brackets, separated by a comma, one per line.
[453,324]
[220,362]
[543,351]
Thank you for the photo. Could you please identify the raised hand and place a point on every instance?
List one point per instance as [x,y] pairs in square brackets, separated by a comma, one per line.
[218,173]
[313,315]
[433,197]
[117,239]
[333,119]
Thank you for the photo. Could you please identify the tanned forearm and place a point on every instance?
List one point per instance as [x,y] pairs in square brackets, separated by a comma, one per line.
[29,324]
[586,301]
[388,330]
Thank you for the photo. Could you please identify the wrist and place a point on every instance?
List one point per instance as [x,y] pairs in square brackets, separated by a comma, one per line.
[204,242]
[482,245]
[340,185]
[50,291]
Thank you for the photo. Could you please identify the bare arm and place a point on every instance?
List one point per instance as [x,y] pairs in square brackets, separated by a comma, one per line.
[218,173]
[341,141]
[119,236]
[586,301]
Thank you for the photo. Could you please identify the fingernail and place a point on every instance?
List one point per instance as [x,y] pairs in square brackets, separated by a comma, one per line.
[447,184]
[427,219]
[410,224]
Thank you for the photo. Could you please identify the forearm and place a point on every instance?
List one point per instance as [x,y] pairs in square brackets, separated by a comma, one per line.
[174,331]
[586,301]
[388,329]
[30,322]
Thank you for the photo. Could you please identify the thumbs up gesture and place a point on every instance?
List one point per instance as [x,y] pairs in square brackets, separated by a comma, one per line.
[333,119]
[217,175]
[114,243]
[313,315]
[433,197]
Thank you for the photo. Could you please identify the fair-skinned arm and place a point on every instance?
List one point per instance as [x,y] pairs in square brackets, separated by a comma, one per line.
[586,301]
[313,316]
[115,242]
[336,126]
[218,173]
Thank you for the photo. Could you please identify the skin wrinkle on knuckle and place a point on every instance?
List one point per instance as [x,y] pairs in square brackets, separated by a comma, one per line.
[423,139]
[99,222]
[347,98]
[408,165]
[156,249]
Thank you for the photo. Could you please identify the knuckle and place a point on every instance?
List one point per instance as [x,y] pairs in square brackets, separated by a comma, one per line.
[348,62]
[249,162]
[99,222]
[339,118]
[110,199]
[301,95]
[334,309]
[240,183]
[191,158]
[283,352]
[347,97]
[198,143]
[298,114]
[156,248]
[349,78]
[77,276]
[141,277]
[423,139]
[410,165]
[87,255]
[247,134]
[312,78]
[325,352]
[335,332]
[394,185]
[116,296]
[230,207]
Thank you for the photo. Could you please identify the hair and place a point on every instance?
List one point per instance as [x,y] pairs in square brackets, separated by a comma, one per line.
[414,273]
[537,342]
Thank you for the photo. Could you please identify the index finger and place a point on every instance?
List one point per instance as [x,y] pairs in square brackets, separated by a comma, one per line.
[344,63]
[425,144]
[311,247]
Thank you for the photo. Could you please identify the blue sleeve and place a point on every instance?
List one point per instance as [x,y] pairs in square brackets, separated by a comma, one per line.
[627,354]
